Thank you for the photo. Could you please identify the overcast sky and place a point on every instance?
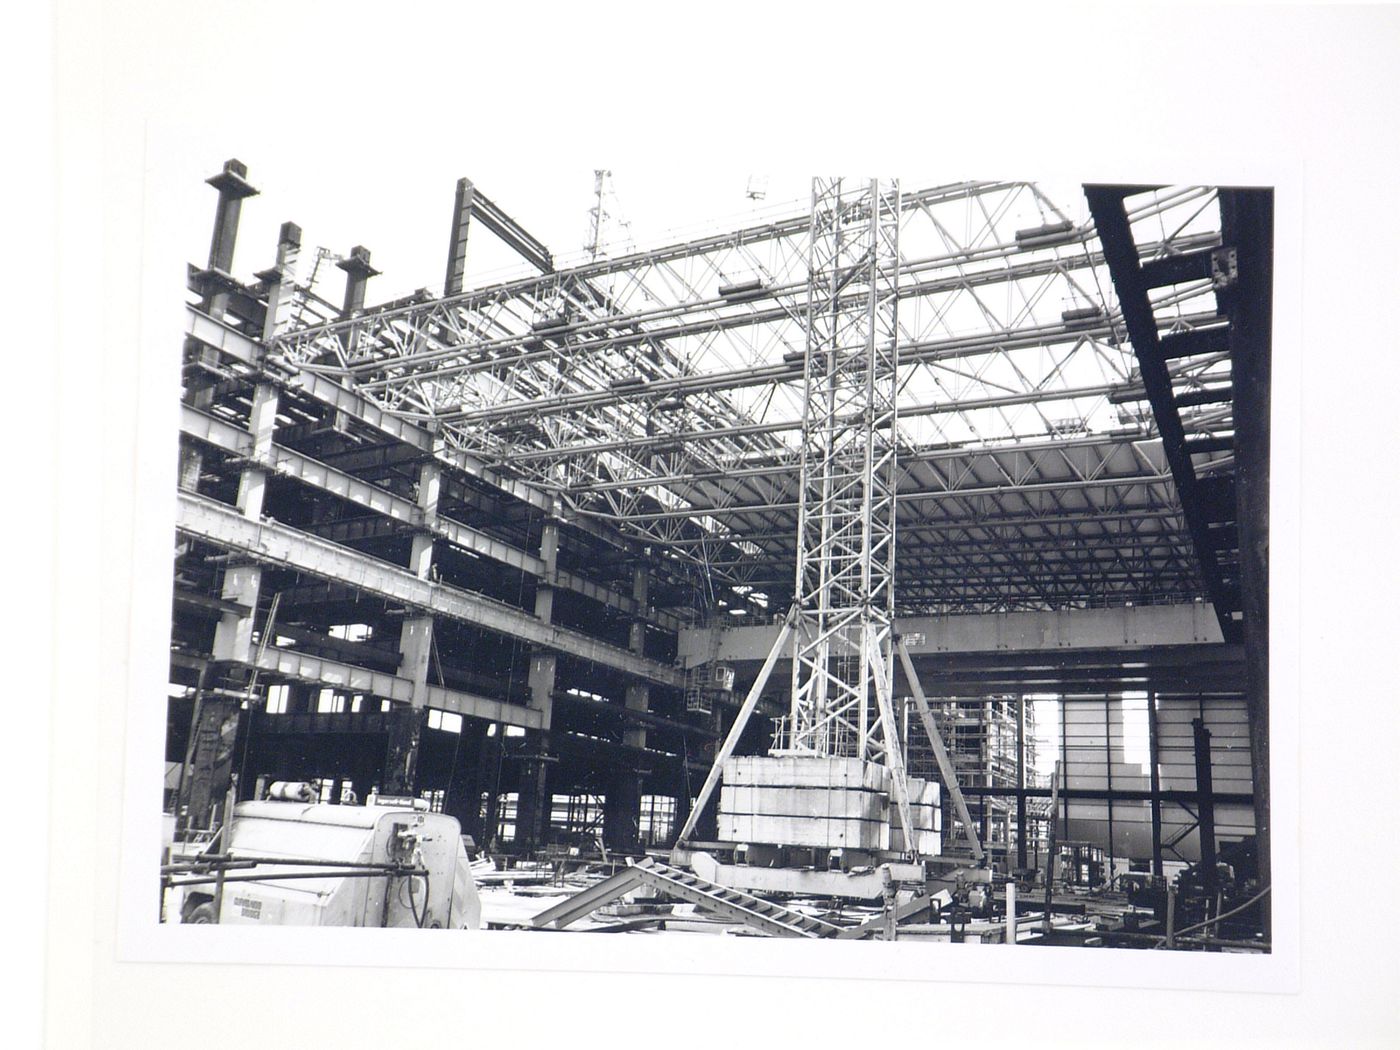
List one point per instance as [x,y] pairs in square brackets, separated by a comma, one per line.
[403,213]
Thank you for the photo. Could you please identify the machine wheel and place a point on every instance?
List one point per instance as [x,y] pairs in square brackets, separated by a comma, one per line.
[202,913]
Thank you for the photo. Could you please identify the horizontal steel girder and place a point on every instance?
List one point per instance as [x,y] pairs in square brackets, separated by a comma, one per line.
[906,499]
[442,358]
[1123,391]
[280,663]
[285,462]
[271,543]
[1195,669]
[288,663]
[713,382]
[1222,798]
[1191,623]
[331,394]
[222,337]
[955,459]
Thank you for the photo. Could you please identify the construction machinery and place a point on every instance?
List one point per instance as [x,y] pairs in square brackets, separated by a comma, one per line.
[1224,897]
[307,863]
[833,789]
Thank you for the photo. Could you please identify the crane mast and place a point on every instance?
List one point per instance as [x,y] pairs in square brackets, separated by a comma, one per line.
[841,624]
[843,670]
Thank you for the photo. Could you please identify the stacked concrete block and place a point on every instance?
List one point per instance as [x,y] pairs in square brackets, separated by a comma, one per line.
[805,800]
[820,801]
[926,811]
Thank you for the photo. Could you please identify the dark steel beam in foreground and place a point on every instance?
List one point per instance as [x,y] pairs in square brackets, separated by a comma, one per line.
[1106,204]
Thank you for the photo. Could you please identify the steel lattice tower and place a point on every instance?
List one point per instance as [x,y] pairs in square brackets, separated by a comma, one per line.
[846,526]
[845,551]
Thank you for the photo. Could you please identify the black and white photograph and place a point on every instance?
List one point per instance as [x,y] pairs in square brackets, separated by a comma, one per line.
[893,564]
[638,525]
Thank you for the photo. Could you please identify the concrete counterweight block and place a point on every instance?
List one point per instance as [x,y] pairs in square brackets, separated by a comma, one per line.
[820,801]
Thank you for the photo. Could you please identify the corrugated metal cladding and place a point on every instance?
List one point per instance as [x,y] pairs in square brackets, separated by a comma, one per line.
[1105,745]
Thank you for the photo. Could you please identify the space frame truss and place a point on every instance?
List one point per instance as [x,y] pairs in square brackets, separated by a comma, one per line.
[661,392]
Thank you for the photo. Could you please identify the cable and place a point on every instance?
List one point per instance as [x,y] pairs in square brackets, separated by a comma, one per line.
[412,905]
[1208,922]
[452,769]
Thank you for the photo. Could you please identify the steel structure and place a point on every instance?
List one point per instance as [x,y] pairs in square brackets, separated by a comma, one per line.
[662,393]
[522,495]
[844,595]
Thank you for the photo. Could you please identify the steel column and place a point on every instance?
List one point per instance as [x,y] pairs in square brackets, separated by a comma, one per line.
[457,246]
[1154,759]
[358,271]
[1020,782]
[1247,221]
[233,188]
[1205,806]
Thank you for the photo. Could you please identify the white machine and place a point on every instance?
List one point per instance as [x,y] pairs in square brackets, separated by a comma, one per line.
[292,863]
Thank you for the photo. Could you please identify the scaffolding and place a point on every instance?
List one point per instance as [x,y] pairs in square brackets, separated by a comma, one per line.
[989,748]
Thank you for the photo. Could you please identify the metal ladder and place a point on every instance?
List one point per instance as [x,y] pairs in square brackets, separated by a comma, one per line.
[733,905]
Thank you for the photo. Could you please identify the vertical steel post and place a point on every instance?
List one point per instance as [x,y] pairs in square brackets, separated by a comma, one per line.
[889,900]
[984,733]
[535,802]
[622,820]
[1155,771]
[457,247]
[358,271]
[225,846]
[1247,222]
[181,800]
[401,754]
[1052,845]
[232,184]
[1011,911]
[1021,782]
[492,757]
[1205,805]
[1108,755]
[233,651]
[233,188]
